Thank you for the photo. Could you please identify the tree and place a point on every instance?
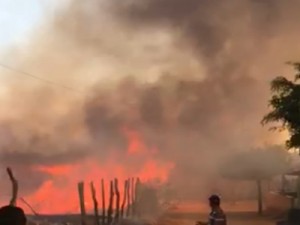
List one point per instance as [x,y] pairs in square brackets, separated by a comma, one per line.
[256,165]
[285,104]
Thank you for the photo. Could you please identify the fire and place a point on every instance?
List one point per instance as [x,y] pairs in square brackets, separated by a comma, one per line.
[59,193]
[135,145]
[56,170]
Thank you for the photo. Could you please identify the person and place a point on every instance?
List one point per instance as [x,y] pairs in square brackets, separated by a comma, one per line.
[12,215]
[217,215]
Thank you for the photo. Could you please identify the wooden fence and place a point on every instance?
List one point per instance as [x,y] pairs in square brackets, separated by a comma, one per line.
[118,207]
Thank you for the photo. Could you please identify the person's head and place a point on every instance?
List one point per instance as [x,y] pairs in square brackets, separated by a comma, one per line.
[12,215]
[214,201]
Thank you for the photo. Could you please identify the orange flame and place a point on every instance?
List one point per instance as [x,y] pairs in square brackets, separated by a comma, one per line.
[59,194]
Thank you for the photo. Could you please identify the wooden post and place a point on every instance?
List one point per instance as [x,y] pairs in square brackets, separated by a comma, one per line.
[259,197]
[81,200]
[95,204]
[137,197]
[133,197]
[117,192]
[111,201]
[103,202]
[128,198]
[124,198]
[14,182]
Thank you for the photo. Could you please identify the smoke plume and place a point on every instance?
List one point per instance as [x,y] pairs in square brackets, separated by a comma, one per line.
[189,77]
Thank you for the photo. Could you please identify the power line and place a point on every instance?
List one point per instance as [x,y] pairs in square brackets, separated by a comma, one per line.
[49,82]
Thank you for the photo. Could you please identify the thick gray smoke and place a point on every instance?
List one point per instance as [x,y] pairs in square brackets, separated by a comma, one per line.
[190,76]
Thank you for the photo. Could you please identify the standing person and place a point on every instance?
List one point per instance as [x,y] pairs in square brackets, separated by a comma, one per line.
[12,215]
[217,215]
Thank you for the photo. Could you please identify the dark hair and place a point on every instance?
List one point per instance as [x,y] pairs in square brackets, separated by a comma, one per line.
[12,215]
[215,200]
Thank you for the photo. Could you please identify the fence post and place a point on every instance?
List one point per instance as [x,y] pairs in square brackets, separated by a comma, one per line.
[128,198]
[103,202]
[81,200]
[124,198]
[95,204]
[137,196]
[111,201]
[117,192]
[133,197]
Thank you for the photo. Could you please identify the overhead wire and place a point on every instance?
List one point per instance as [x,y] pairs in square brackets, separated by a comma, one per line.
[46,81]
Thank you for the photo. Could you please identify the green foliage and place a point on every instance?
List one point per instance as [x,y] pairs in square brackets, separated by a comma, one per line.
[256,164]
[285,104]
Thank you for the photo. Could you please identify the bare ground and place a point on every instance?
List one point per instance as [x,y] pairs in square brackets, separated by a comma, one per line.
[241,213]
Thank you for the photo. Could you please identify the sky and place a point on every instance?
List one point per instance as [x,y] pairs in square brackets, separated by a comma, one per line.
[19,17]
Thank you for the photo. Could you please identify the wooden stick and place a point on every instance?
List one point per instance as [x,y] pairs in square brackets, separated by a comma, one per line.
[103,201]
[81,200]
[124,198]
[117,192]
[137,197]
[111,201]
[15,187]
[128,198]
[133,197]
[95,204]
[29,206]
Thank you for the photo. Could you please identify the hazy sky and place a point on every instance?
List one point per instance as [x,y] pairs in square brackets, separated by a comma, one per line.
[19,17]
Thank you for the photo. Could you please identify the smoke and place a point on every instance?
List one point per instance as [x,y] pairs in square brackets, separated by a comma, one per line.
[191,78]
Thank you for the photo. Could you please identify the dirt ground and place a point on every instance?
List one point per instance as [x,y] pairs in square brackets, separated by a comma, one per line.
[241,213]
[231,221]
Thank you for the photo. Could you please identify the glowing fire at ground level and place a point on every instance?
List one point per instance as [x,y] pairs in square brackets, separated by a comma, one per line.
[59,195]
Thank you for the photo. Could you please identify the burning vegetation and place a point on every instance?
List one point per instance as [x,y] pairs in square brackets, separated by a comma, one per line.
[154,89]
